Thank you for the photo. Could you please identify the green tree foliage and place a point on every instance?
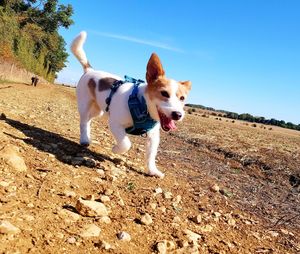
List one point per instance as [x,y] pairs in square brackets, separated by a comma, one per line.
[29,34]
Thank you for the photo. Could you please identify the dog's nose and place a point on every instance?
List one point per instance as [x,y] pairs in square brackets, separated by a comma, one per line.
[176,115]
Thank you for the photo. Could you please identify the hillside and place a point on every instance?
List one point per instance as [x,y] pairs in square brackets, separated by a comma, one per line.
[229,188]
[29,37]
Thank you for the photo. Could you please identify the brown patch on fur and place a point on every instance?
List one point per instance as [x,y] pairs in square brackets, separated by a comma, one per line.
[105,84]
[155,88]
[92,87]
[183,89]
[154,69]
[94,107]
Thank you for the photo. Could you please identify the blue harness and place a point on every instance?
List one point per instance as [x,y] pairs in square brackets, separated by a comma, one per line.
[142,121]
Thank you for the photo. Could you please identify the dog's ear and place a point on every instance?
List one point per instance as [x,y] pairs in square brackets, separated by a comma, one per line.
[186,84]
[154,68]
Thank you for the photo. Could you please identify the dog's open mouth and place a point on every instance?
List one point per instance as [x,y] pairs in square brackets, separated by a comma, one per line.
[166,123]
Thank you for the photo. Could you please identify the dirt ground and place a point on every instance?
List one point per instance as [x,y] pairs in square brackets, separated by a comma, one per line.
[229,187]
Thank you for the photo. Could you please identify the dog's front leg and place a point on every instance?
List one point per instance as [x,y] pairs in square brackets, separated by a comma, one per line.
[151,151]
[123,142]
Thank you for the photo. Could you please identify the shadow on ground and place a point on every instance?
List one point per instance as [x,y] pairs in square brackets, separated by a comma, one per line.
[63,149]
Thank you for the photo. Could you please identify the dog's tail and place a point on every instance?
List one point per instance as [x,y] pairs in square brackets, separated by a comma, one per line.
[77,49]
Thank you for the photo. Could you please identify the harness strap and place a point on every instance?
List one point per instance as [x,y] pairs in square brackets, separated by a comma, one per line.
[142,122]
[114,88]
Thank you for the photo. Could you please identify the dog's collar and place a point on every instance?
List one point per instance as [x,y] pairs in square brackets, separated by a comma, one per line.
[142,121]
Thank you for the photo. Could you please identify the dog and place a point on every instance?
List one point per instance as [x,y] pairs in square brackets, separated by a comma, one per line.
[164,99]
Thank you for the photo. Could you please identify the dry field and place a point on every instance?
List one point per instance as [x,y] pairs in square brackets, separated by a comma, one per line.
[229,188]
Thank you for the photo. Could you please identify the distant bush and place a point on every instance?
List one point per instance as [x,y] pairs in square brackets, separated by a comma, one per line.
[254,125]
[248,117]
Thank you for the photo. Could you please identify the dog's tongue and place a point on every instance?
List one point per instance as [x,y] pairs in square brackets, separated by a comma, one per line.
[167,124]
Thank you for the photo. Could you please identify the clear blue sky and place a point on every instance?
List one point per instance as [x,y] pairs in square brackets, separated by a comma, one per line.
[241,56]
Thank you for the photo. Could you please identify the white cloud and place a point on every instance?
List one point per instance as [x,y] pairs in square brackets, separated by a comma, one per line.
[155,44]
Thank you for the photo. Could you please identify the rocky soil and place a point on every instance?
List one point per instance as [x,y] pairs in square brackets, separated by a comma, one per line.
[229,188]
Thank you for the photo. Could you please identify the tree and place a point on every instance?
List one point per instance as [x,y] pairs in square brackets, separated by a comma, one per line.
[35,42]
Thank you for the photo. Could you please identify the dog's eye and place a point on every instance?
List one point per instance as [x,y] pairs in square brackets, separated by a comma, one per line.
[182,98]
[165,94]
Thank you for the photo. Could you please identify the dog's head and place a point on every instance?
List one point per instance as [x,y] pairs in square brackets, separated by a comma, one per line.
[165,97]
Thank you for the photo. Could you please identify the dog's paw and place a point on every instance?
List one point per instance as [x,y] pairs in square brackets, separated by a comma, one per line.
[120,149]
[157,173]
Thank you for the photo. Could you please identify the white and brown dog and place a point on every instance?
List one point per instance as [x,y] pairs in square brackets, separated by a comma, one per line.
[164,99]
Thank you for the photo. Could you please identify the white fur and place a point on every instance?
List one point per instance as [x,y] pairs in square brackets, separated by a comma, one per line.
[119,114]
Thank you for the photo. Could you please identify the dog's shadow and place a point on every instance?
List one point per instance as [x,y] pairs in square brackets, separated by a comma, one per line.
[65,150]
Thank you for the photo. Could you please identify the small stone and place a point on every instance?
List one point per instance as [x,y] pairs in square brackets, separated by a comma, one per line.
[105,245]
[167,195]
[91,208]
[176,219]
[104,198]
[215,188]
[158,190]
[30,205]
[207,228]
[121,202]
[105,219]
[216,214]
[192,236]
[231,222]
[68,216]
[146,219]
[163,209]
[101,173]
[7,228]
[90,230]
[197,219]
[124,236]
[161,248]
[10,154]
[165,246]
[153,206]
[71,240]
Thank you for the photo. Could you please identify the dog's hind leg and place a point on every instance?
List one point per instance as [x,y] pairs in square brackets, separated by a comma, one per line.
[86,115]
